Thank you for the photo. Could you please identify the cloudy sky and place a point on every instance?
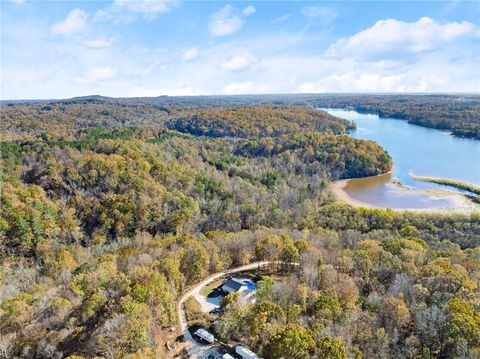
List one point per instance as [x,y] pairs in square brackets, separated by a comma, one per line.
[62,49]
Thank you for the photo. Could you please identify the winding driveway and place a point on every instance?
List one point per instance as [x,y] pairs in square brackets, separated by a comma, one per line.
[193,347]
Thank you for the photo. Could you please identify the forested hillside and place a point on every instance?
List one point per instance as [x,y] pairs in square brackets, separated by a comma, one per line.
[459,114]
[109,210]
[257,121]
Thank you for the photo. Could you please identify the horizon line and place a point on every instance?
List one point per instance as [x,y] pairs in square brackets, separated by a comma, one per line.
[246,95]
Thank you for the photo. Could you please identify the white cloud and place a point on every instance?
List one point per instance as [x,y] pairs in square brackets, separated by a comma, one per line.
[374,82]
[139,91]
[238,88]
[145,7]
[127,10]
[309,87]
[239,62]
[225,22]
[99,43]
[354,82]
[36,66]
[190,54]
[281,18]
[17,1]
[249,10]
[323,14]
[97,74]
[75,22]
[393,37]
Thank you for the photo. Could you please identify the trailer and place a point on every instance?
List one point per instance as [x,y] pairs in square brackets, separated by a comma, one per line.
[245,353]
[203,334]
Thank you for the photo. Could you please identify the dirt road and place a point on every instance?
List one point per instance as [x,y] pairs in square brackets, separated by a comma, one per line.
[194,348]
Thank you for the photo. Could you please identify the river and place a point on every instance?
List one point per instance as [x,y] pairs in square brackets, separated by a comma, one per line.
[415,150]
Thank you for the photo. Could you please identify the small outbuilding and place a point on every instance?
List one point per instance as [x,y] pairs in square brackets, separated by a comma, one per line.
[233,285]
[203,334]
[245,353]
[227,356]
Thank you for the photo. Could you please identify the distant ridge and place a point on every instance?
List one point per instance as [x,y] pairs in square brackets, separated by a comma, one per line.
[223,100]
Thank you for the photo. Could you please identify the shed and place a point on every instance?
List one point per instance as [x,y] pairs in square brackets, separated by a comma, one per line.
[227,356]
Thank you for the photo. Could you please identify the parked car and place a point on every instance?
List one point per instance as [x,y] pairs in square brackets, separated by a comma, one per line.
[217,311]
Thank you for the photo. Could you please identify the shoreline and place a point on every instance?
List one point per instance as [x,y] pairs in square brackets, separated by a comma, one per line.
[461,204]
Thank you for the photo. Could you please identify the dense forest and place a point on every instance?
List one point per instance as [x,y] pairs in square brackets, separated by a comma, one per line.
[110,209]
[69,120]
[360,296]
[459,114]
[257,121]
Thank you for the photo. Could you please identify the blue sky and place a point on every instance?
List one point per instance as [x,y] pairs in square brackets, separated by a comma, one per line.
[122,48]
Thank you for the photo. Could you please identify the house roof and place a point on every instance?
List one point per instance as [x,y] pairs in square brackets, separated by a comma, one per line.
[234,283]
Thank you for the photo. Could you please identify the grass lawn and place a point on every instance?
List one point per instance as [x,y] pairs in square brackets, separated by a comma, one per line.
[210,287]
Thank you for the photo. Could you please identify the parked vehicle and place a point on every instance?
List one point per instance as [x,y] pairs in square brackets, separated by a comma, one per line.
[217,311]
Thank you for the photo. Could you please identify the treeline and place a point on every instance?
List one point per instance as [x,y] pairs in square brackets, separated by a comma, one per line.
[459,114]
[68,120]
[460,229]
[464,186]
[77,119]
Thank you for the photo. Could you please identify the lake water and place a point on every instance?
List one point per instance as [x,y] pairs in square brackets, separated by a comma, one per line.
[415,150]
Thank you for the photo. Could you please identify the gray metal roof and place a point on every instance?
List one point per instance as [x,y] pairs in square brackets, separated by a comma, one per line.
[234,284]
